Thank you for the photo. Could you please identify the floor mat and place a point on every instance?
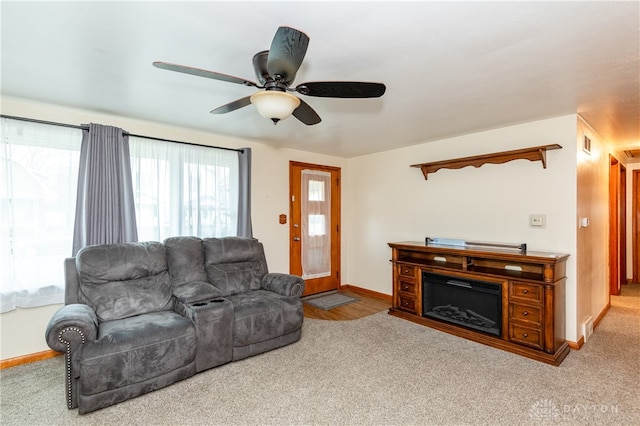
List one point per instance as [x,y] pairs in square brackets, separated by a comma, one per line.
[329,301]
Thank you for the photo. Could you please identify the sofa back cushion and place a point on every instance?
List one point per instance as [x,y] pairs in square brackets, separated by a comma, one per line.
[185,258]
[234,264]
[122,280]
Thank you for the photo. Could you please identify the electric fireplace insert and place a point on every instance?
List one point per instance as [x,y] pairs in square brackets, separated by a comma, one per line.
[468,303]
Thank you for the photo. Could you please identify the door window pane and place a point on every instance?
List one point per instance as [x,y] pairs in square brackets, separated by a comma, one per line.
[316,190]
[317,225]
[316,221]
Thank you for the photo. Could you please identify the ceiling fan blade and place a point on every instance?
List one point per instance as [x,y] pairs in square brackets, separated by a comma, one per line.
[306,114]
[342,89]
[203,73]
[286,53]
[260,66]
[232,106]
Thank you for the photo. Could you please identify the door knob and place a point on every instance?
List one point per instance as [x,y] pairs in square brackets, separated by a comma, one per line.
[296,238]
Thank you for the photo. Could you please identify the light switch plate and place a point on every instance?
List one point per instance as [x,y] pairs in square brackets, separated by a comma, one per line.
[537,221]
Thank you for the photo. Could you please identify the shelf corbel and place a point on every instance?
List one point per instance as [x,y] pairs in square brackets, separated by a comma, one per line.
[536,153]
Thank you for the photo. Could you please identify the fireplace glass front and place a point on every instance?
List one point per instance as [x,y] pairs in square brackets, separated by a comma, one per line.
[473,304]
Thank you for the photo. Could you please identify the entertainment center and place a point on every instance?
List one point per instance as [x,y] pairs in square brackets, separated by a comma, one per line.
[509,299]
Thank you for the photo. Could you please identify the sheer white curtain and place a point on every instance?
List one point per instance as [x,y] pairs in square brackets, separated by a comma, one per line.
[38,179]
[316,222]
[182,189]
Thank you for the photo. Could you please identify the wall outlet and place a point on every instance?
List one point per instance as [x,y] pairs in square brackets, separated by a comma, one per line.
[537,221]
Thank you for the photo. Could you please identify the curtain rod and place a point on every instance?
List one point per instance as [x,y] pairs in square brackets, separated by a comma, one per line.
[73,126]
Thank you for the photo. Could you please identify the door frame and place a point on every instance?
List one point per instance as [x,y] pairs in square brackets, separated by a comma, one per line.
[622,225]
[635,224]
[336,245]
[617,226]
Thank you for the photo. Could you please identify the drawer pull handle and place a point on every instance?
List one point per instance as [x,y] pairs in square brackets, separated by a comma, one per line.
[525,313]
[525,291]
[406,303]
[525,335]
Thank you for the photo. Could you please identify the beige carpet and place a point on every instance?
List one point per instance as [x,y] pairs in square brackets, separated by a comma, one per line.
[379,370]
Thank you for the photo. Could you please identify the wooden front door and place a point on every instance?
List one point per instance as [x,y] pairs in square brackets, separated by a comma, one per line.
[314,229]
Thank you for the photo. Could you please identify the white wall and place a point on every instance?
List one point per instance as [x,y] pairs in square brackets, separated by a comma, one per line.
[383,200]
[23,329]
[388,201]
[593,240]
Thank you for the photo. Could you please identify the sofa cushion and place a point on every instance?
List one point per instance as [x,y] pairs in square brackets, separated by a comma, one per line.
[234,264]
[263,315]
[185,258]
[135,349]
[123,280]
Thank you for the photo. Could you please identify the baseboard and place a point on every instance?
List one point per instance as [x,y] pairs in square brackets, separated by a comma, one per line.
[375,294]
[576,345]
[26,359]
[601,315]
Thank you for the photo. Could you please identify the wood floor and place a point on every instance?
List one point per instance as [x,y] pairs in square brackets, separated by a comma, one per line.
[367,305]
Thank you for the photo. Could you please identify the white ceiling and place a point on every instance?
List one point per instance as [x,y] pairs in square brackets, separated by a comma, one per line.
[450,67]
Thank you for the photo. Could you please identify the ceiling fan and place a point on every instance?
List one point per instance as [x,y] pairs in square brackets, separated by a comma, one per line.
[275,70]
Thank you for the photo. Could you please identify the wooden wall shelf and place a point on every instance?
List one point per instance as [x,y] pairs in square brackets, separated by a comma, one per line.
[536,153]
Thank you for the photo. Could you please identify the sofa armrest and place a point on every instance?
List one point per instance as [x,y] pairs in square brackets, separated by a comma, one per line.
[71,326]
[284,284]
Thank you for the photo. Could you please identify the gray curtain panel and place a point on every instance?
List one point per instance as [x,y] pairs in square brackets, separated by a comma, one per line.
[244,194]
[105,210]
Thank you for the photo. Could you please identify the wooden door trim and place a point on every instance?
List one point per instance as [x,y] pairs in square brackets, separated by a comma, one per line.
[614,264]
[635,225]
[617,226]
[622,224]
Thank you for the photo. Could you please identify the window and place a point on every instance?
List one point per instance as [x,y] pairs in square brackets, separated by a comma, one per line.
[38,179]
[183,189]
[179,189]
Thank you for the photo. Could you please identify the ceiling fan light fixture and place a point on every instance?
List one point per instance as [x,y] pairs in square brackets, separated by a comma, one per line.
[275,105]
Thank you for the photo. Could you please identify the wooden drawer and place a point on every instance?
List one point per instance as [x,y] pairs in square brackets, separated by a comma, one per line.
[531,314]
[407,304]
[407,270]
[525,335]
[406,286]
[528,292]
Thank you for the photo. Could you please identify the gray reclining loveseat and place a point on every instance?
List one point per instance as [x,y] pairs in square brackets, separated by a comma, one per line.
[140,316]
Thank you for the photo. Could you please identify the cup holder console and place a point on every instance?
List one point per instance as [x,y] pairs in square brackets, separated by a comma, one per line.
[213,320]
[210,301]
